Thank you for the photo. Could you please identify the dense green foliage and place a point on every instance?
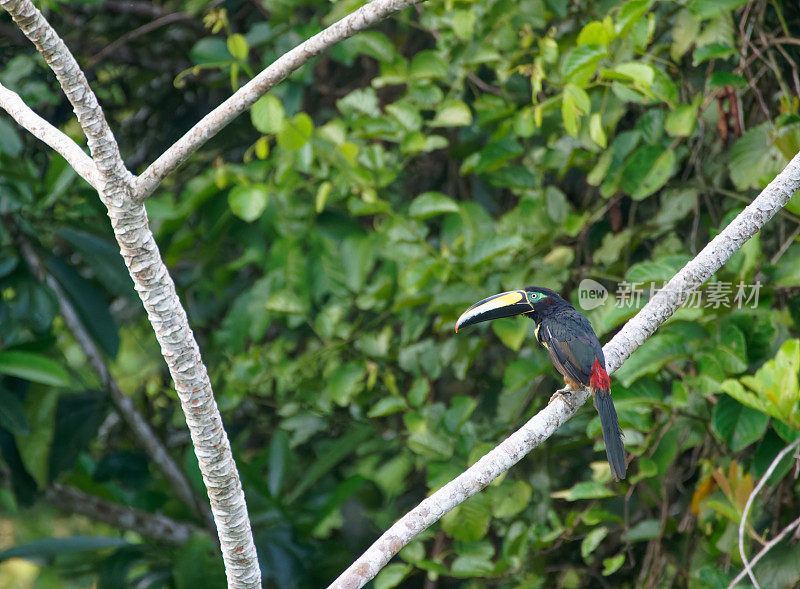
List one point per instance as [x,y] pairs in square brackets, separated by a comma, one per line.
[324,248]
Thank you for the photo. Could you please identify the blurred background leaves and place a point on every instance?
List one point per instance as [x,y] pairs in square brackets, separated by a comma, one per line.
[325,245]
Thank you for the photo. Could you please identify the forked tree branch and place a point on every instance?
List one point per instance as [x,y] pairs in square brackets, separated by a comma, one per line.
[542,425]
[157,292]
[247,95]
[44,131]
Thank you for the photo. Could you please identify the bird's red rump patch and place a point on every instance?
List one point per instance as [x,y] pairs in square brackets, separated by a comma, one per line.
[599,378]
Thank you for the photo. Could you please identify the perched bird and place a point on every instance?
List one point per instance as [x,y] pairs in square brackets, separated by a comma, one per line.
[573,347]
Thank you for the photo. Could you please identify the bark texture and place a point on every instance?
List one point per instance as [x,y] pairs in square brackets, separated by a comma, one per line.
[157,292]
[542,425]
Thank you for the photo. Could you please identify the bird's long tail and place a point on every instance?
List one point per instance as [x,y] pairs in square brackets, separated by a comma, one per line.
[612,435]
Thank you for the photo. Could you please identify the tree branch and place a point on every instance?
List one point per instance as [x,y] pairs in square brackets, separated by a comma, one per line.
[160,299]
[743,522]
[141,430]
[150,525]
[44,131]
[542,425]
[247,95]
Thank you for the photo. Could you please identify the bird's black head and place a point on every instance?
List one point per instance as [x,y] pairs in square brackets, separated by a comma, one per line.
[533,301]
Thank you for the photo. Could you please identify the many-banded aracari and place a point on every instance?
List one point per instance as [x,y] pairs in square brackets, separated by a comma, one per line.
[573,347]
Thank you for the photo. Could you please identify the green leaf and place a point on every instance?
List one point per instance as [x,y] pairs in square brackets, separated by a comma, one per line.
[595,33]
[77,419]
[584,490]
[754,159]
[345,383]
[630,13]
[452,113]
[237,46]
[613,564]
[249,201]
[468,522]
[392,575]
[712,51]
[35,447]
[387,406]
[461,407]
[10,143]
[737,425]
[512,331]
[581,62]
[641,74]
[210,51]
[267,114]
[647,170]
[431,204]
[684,34]
[712,8]
[643,531]
[681,121]
[575,103]
[33,367]
[12,414]
[508,501]
[427,65]
[49,549]
[592,540]
[295,133]
[596,130]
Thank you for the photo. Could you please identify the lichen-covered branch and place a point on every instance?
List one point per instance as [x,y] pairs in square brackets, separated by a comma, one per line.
[542,425]
[44,131]
[149,525]
[246,96]
[157,292]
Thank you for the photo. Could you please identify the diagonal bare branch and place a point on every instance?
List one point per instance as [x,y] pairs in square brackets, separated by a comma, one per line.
[141,430]
[44,131]
[246,96]
[542,425]
[149,525]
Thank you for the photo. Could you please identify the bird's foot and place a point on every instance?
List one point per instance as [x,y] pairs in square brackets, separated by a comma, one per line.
[565,395]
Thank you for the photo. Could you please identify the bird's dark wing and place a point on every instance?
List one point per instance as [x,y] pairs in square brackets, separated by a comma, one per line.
[572,344]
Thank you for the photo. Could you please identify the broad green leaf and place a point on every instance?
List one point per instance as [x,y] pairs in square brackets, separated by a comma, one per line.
[512,331]
[596,130]
[595,33]
[237,46]
[684,34]
[35,446]
[468,522]
[392,575]
[509,500]
[643,531]
[295,133]
[12,414]
[592,540]
[711,8]
[431,204]
[681,121]
[613,564]
[33,367]
[712,51]
[584,490]
[248,201]
[345,383]
[10,143]
[210,51]
[738,425]
[452,113]
[754,159]
[387,406]
[427,65]
[581,62]
[630,13]
[647,170]
[267,114]
[50,548]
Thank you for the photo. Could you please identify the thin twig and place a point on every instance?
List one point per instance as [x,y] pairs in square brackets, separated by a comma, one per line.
[743,523]
[138,32]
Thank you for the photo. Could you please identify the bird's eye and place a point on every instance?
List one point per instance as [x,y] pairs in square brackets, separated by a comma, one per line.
[533,297]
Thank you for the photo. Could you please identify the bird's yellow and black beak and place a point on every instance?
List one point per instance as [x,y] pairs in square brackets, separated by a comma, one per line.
[505,304]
